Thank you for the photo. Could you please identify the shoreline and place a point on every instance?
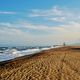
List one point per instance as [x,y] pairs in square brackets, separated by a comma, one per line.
[52,63]
[34,54]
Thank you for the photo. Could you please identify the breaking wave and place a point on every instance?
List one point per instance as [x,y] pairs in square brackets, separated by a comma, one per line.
[13,53]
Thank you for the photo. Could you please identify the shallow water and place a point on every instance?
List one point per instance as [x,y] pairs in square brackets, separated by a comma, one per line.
[13,53]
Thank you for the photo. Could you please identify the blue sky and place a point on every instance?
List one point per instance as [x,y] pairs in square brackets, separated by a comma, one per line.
[36,22]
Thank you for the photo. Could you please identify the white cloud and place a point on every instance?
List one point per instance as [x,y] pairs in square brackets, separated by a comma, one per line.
[56,13]
[60,33]
[7,12]
[51,12]
[7,24]
[34,27]
[66,32]
[57,19]
[70,27]
[14,35]
[28,33]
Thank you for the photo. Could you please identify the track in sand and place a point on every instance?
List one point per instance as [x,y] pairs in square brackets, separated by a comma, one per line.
[55,64]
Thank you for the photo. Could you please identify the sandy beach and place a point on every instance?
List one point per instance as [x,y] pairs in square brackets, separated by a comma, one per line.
[54,64]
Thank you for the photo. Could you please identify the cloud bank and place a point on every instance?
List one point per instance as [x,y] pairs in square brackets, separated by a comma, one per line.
[30,33]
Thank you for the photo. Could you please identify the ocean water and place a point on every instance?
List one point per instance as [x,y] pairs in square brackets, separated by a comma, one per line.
[7,53]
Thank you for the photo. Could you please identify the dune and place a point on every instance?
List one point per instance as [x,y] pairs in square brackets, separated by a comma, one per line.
[54,64]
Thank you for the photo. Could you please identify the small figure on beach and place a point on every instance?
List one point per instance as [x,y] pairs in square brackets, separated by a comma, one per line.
[64,44]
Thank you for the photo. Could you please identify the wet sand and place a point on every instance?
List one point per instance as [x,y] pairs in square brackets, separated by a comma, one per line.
[55,64]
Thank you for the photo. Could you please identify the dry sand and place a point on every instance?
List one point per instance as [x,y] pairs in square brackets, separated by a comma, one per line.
[55,64]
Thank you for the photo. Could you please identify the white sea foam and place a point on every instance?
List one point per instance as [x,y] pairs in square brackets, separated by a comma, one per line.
[13,53]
